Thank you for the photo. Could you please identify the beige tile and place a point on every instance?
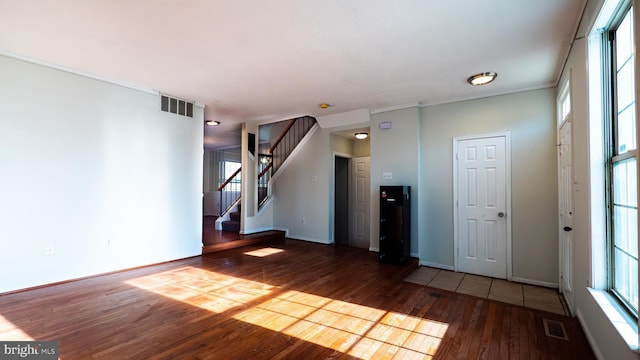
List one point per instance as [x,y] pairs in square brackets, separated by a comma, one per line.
[543,299]
[422,275]
[506,291]
[447,279]
[506,299]
[476,283]
[473,292]
[476,279]
[442,286]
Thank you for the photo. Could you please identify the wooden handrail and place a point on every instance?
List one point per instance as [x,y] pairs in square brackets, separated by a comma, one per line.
[293,121]
[264,171]
[229,179]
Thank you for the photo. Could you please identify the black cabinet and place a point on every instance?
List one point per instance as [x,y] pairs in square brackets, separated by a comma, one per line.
[395,223]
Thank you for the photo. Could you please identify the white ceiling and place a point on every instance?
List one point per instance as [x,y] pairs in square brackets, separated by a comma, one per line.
[264,61]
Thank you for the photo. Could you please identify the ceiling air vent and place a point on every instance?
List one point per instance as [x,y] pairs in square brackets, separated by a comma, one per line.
[176,106]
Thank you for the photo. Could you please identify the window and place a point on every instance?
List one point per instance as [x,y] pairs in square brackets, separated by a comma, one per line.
[622,178]
[565,104]
[230,167]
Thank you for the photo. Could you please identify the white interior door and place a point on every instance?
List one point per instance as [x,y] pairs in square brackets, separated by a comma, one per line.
[482,206]
[359,223]
[565,195]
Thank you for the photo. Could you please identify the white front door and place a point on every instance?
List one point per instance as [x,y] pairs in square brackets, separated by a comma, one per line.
[482,217]
[565,195]
[359,222]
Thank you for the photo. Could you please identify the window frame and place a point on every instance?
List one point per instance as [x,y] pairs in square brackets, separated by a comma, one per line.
[612,152]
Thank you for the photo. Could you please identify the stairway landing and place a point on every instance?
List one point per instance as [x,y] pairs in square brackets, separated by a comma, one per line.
[243,240]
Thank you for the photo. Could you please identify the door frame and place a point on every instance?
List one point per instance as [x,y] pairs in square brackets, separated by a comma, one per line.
[332,193]
[456,141]
[567,294]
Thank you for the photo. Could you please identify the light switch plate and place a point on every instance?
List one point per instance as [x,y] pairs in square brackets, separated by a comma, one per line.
[387,176]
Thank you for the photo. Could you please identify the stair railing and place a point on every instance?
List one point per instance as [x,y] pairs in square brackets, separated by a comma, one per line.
[230,191]
[265,166]
[280,151]
[289,139]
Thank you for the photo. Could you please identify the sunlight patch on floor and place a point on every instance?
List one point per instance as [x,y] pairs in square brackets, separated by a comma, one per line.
[205,289]
[353,329]
[11,332]
[264,252]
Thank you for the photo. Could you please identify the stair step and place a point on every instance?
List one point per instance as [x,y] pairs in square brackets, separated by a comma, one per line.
[235,216]
[233,226]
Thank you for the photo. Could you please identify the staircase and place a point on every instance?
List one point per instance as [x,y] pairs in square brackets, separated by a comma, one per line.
[233,224]
[295,131]
[279,152]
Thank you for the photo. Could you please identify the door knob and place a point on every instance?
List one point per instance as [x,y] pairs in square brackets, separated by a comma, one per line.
[500,214]
[566,228]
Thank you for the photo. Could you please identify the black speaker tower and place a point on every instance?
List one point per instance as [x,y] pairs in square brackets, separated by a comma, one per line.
[395,224]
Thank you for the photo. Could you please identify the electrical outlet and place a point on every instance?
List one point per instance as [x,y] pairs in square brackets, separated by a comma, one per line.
[49,250]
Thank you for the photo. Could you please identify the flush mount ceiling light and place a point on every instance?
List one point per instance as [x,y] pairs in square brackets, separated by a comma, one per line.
[482,78]
[361,135]
[325,105]
[212,122]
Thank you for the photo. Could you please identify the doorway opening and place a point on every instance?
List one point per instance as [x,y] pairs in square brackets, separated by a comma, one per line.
[341,201]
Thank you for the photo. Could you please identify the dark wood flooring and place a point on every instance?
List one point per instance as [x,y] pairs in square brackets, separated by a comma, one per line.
[217,240]
[278,300]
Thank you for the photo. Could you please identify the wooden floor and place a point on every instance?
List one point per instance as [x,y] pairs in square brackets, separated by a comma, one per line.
[284,300]
[217,240]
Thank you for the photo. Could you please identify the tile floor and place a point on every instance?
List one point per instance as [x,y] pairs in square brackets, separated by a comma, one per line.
[534,297]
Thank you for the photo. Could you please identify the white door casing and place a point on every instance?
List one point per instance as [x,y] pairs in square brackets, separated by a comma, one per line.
[359,223]
[482,236]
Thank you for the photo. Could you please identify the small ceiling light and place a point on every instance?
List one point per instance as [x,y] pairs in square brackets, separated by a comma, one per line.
[212,122]
[325,105]
[361,135]
[482,78]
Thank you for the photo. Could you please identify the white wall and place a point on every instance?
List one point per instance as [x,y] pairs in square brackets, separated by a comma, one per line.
[95,172]
[395,150]
[530,117]
[301,191]
[362,148]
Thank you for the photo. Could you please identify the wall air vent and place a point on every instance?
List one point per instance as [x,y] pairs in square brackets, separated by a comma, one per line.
[176,106]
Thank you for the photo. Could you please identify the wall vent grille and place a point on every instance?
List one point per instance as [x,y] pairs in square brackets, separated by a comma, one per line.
[176,106]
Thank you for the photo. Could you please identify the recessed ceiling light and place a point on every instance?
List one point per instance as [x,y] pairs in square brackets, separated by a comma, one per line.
[361,135]
[482,78]
[212,122]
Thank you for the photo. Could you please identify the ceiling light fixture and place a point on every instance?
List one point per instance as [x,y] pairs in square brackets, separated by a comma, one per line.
[212,122]
[361,135]
[482,78]
[325,105]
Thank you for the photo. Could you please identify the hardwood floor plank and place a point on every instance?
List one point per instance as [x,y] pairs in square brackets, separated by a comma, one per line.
[282,300]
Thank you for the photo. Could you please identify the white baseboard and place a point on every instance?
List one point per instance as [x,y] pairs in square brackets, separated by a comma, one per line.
[415,255]
[534,282]
[587,333]
[436,265]
[374,249]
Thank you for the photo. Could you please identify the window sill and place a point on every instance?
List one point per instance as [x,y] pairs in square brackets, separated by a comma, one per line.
[624,323]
